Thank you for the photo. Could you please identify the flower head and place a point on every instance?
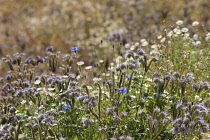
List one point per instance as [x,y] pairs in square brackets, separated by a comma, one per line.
[74,49]
[80,63]
[49,49]
[88,67]
[122,90]
[185,30]
[95,92]
[66,106]
[179,22]
[195,23]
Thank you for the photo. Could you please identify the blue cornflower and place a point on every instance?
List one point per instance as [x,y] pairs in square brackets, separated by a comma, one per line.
[74,49]
[128,75]
[66,106]
[122,90]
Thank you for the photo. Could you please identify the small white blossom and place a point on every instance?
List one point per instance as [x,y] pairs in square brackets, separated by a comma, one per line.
[163,40]
[88,67]
[96,79]
[89,87]
[197,43]
[136,44]
[23,102]
[185,30]
[37,82]
[145,43]
[159,37]
[101,61]
[132,47]
[179,22]
[31,103]
[198,98]
[80,63]
[143,40]
[95,92]
[195,23]
[127,46]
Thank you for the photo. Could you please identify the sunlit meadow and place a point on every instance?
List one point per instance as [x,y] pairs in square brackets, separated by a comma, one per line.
[112,79]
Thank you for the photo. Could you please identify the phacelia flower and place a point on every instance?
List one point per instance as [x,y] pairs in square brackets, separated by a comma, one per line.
[80,63]
[66,106]
[74,49]
[49,49]
[122,90]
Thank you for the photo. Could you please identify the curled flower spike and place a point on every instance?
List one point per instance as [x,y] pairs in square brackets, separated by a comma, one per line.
[122,90]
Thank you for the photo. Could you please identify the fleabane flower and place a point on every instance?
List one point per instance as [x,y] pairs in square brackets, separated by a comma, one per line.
[127,46]
[80,63]
[195,23]
[31,103]
[122,90]
[145,43]
[101,61]
[179,22]
[185,30]
[21,136]
[207,37]
[197,43]
[96,79]
[95,92]
[37,82]
[88,67]
[198,98]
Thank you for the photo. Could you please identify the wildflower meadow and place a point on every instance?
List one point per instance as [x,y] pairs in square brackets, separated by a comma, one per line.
[144,88]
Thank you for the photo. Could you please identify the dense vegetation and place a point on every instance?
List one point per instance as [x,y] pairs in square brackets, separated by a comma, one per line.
[138,82]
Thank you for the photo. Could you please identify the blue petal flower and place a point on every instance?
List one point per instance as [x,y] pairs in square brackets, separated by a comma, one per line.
[66,106]
[74,49]
[122,90]
[128,75]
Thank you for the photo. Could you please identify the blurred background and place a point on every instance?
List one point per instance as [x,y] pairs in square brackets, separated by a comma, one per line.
[29,26]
